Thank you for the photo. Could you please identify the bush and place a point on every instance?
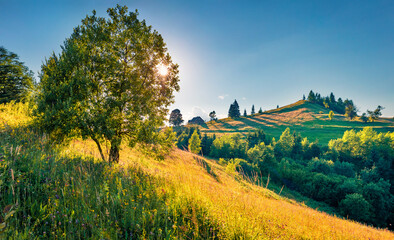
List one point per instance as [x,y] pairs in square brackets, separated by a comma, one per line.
[263,156]
[229,146]
[356,207]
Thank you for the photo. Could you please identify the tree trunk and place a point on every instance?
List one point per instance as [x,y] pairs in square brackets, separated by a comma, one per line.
[99,147]
[114,153]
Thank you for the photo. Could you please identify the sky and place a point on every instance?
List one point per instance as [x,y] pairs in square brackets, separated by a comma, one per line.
[265,53]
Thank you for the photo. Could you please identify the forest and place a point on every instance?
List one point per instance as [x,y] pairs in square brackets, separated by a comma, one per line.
[353,174]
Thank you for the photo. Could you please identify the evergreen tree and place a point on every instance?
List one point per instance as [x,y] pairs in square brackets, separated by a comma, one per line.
[233,112]
[245,114]
[252,112]
[332,98]
[206,143]
[195,143]
[176,117]
[260,110]
[312,97]
[303,97]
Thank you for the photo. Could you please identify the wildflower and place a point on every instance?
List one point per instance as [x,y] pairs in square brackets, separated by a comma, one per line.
[57,196]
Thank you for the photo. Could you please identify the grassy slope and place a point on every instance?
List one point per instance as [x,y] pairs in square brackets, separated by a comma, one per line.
[68,194]
[302,116]
[242,209]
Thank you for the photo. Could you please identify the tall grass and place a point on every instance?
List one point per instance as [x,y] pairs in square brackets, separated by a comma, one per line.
[53,192]
[65,192]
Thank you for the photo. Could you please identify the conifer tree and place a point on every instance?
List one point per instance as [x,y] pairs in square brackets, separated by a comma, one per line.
[260,110]
[245,114]
[312,97]
[233,112]
[252,112]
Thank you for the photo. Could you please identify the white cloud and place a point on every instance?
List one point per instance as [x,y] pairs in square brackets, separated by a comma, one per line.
[244,98]
[221,97]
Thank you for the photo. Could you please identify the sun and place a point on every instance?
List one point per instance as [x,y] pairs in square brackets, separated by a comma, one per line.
[162,69]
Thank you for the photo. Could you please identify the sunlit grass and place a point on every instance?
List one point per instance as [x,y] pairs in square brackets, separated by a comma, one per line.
[66,192]
[302,116]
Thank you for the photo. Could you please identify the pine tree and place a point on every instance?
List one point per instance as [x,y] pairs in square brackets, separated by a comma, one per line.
[233,112]
[312,97]
[245,114]
[195,143]
[252,112]
[260,110]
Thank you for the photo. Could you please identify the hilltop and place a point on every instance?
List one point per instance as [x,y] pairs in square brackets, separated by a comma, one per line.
[309,119]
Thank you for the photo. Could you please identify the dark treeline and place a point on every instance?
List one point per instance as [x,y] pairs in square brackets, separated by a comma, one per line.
[330,102]
[353,174]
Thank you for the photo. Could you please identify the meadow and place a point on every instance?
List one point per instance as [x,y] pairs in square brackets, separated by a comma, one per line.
[309,119]
[51,191]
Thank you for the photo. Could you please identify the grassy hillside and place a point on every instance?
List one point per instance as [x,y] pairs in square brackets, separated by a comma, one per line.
[309,119]
[65,192]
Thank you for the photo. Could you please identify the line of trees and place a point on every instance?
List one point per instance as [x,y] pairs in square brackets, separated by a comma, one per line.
[331,103]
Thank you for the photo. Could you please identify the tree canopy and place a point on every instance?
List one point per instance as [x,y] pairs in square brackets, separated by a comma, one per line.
[107,84]
[212,115]
[15,78]
[374,115]
[176,117]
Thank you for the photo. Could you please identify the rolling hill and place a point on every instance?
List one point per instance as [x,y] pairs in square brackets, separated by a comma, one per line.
[309,119]
[67,192]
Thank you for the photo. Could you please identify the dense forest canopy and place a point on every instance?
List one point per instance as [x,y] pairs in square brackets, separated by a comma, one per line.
[354,174]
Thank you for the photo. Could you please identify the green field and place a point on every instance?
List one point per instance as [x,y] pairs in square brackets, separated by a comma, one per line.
[309,119]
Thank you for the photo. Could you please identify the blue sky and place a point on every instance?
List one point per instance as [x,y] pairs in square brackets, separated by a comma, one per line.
[265,53]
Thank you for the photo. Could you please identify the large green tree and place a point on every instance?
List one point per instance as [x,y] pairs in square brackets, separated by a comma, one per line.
[112,82]
[15,78]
